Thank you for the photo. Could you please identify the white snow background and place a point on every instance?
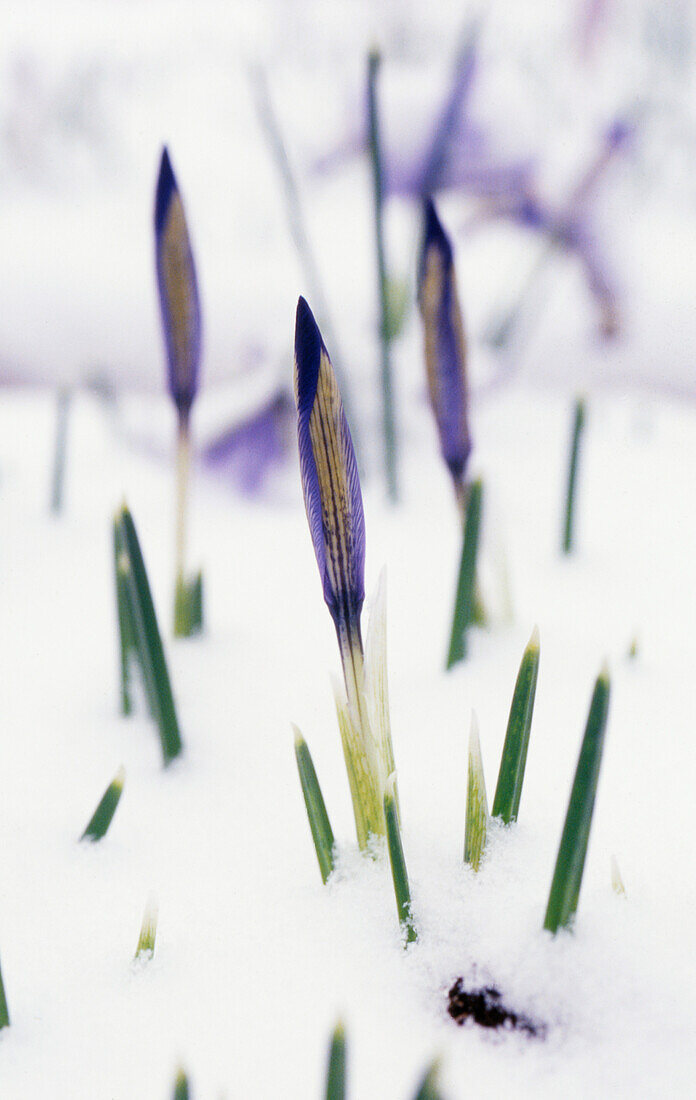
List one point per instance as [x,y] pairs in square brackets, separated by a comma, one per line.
[255,959]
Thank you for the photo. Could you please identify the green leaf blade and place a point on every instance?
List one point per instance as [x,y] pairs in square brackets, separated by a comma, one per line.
[4,1012]
[570,862]
[429,1088]
[103,815]
[508,791]
[476,803]
[322,833]
[402,889]
[336,1070]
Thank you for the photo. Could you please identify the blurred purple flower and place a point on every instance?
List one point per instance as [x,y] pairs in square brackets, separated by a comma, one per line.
[445,346]
[178,290]
[571,226]
[456,154]
[250,450]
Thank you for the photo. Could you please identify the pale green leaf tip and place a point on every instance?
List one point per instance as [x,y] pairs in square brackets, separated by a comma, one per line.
[604,676]
[390,788]
[297,734]
[119,779]
[534,642]
[474,742]
[339,1032]
[617,883]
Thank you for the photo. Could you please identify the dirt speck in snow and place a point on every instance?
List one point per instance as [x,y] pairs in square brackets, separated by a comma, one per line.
[485,1007]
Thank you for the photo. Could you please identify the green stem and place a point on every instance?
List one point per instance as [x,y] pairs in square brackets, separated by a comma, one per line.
[322,833]
[570,862]
[466,583]
[579,416]
[388,413]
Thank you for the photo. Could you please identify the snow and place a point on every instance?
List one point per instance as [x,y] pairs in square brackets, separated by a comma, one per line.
[253,957]
[255,960]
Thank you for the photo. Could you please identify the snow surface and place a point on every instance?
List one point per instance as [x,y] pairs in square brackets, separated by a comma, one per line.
[255,959]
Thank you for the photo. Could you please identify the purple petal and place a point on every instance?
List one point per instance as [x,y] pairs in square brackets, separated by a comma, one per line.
[445,349]
[249,451]
[329,474]
[450,121]
[178,289]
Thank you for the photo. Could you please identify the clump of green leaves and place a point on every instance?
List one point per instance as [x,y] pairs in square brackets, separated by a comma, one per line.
[140,638]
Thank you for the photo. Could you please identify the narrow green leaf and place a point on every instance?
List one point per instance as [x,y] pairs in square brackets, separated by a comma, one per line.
[375,150]
[126,627]
[579,416]
[196,597]
[322,833]
[476,803]
[4,1013]
[570,863]
[466,583]
[506,803]
[149,648]
[188,606]
[135,652]
[429,1086]
[617,883]
[336,1071]
[398,863]
[102,816]
[181,1086]
[148,932]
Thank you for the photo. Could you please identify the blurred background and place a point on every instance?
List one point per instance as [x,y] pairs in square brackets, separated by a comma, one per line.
[559,139]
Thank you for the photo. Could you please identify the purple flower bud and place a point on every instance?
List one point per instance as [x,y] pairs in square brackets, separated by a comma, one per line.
[445,347]
[329,475]
[178,290]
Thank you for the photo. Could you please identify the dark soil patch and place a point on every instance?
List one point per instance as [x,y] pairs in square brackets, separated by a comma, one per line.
[485,1007]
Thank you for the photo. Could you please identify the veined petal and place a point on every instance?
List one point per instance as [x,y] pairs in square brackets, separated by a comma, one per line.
[178,289]
[445,346]
[329,474]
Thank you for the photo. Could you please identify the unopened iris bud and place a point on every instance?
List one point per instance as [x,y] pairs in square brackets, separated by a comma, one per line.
[445,346]
[178,290]
[330,480]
